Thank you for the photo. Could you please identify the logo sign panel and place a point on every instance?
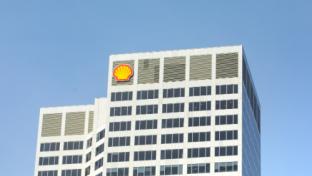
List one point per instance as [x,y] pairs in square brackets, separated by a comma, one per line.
[123,72]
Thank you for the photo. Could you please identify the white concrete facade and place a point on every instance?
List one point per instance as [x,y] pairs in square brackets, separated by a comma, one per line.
[245,164]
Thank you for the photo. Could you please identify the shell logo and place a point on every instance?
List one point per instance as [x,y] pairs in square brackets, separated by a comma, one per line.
[123,72]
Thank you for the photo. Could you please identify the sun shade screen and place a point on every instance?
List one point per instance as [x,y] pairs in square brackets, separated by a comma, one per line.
[227,65]
[148,71]
[51,125]
[115,64]
[90,122]
[75,123]
[200,67]
[174,69]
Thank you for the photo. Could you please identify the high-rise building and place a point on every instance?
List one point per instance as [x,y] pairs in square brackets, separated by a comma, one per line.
[181,112]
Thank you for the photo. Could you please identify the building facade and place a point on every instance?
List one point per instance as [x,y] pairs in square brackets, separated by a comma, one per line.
[181,112]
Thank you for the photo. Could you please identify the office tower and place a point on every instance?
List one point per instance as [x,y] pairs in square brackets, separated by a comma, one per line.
[181,112]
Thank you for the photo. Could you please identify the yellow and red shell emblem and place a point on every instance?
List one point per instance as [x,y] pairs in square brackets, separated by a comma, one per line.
[123,72]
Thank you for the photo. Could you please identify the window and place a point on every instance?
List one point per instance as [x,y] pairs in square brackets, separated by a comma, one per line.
[119,141]
[147,94]
[100,135]
[171,169]
[100,174]
[120,111]
[144,171]
[99,149]
[199,121]
[145,140]
[118,157]
[121,96]
[170,93]
[87,171]
[226,135]
[47,147]
[145,124]
[226,120]
[226,104]
[144,155]
[120,126]
[173,107]
[89,142]
[172,138]
[147,109]
[227,89]
[198,152]
[172,123]
[226,151]
[47,173]
[72,159]
[71,172]
[200,91]
[199,137]
[88,156]
[200,106]
[73,145]
[171,154]
[98,164]
[117,171]
[225,166]
[52,160]
[198,168]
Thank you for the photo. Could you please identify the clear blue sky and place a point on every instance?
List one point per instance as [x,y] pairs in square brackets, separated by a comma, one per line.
[54,53]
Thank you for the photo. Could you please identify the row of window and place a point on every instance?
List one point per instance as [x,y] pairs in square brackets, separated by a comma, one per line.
[147,94]
[200,106]
[100,135]
[146,109]
[117,172]
[73,145]
[118,157]
[98,164]
[120,111]
[196,168]
[226,167]
[47,147]
[71,172]
[121,96]
[200,91]
[99,149]
[173,107]
[227,89]
[226,151]
[72,159]
[119,141]
[175,92]
[120,126]
[226,104]
[48,173]
[51,160]
[171,154]
[173,138]
[144,155]
[174,123]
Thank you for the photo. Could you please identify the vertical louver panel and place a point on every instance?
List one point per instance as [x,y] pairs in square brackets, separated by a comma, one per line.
[116,63]
[75,123]
[200,67]
[90,122]
[174,69]
[227,65]
[51,125]
[148,71]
